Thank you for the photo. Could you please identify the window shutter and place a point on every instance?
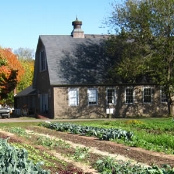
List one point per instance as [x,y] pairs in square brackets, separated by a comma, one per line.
[73,97]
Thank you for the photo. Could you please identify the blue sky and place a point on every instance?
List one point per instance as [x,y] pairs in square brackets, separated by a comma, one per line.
[22,21]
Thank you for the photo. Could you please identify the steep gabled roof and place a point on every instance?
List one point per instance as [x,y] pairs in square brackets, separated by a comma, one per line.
[27,91]
[75,60]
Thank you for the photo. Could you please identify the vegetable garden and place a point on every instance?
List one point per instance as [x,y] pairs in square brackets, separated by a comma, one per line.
[103,146]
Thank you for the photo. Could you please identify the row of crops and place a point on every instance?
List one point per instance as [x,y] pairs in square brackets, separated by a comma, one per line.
[109,165]
[101,133]
[137,134]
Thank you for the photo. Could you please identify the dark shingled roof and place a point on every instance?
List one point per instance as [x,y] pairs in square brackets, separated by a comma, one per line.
[71,60]
[27,91]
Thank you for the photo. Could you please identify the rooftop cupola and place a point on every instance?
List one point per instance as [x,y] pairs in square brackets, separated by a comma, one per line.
[77,31]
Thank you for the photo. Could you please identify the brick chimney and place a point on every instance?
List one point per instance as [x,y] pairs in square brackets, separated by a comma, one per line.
[77,31]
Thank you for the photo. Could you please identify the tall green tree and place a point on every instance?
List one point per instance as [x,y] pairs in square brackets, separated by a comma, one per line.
[149,48]
[27,77]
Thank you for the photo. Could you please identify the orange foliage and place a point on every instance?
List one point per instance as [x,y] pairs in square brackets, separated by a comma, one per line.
[12,61]
[11,71]
[5,70]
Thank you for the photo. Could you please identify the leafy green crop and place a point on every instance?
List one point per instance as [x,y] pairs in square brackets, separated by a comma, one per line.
[101,133]
[109,166]
[14,160]
[81,153]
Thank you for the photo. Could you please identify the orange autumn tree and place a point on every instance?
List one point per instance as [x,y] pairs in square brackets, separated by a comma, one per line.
[11,72]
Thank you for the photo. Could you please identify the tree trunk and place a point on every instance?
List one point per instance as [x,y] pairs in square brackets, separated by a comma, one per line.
[171,106]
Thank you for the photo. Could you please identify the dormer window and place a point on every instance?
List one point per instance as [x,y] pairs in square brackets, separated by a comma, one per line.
[42,61]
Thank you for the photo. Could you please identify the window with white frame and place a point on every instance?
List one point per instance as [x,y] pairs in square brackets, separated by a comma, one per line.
[147,95]
[92,96]
[163,95]
[129,95]
[42,61]
[73,96]
[110,96]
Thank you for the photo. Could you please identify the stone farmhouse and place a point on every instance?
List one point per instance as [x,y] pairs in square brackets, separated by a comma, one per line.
[71,81]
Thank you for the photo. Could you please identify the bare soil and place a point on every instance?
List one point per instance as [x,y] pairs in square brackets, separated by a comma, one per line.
[106,147]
